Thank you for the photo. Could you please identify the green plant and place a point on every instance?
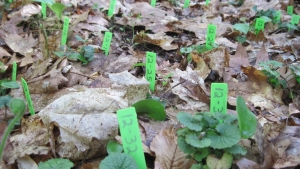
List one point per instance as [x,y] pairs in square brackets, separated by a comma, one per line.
[205,137]
[116,159]
[269,69]
[197,48]
[7,84]
[56,7]
[17,107]
[56,163]
[85,54]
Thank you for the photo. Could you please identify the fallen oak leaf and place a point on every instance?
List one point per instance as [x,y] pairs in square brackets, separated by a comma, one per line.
[240,59]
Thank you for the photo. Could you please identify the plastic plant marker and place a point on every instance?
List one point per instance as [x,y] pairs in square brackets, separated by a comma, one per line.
[27,95]
[10,1]
[65,31]
[151,68]
[278,16]
[218,100]
[130,135]
[211,36]
[14,71]
[111,9]
[106,42]
[186,3]
[153,3]
[290,10]
[207,2]
[44,10]
[259,25]
[295,19]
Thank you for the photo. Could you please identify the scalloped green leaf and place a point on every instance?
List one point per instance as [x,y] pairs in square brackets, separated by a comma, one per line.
[114,147]
[192,122]
[10,84]
[195,141]
[201,154]
[247,120]
[243,27]
[152,108]
[56,163]
[236,149]
[184,146]
[227,135]
[118,161]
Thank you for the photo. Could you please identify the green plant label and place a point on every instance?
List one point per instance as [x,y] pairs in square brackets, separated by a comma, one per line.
[44,10]
[211,36]
[151,68]
[130,135]
[14,71]
[259,25]
[295,19]
[278,16]
[65,31]
[153,3]
[10,1]
[290,10]
[106,42]
[112,6]
[27,95]
[218,98]
[186,3]
[207,2]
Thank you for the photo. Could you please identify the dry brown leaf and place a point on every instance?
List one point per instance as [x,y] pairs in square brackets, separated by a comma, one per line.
[262,56]
[34,139]
[238,60]
[195,91]
[288,145]
[168,154]
[3,52]
[22,45]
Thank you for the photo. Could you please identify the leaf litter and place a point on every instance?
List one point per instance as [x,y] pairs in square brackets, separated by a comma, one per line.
[76,104]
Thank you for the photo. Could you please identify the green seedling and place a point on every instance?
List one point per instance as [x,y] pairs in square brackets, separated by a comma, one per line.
[7,84]
[14,72]
[165,79]
[17,107]
[130,135]
[56,163]
[27,96]
[200,138]
[269,68]
[151,69]
[85,54]
[138,65]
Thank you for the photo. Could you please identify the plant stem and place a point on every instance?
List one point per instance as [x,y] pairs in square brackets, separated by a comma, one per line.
[8,130]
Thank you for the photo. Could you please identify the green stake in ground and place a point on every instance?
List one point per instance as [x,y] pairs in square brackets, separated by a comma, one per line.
[111,9]
[14,71]
[278,16]
[295,19]
[151,69]
[65,31]
[106,42]
[211,36]
[259,25]
[186,3]
[218,97]
[44,10]
[207,2]
[130,135]
[153,3]
[27,95]
[290,10]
